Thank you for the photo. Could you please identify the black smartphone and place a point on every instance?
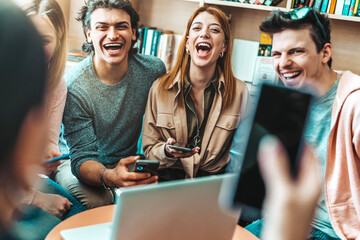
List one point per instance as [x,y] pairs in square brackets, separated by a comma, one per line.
[281,112]
[148,166]
[180,147]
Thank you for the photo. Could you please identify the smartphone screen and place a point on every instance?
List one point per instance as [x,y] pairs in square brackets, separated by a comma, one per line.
[181,147]
[281,112]
[150,166]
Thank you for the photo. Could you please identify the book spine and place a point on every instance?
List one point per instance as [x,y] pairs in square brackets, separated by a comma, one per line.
[155,43]
[317,5]
[144,40]
[168,56]
[140,39]
[149,38]
[311,3]
[295,4]
[356,7]
[160,47]
[358,11]
[345,10]
[324,6]
[301,3]
[259,2]
[339,7]
[267,2]
[352,7]
[332,7]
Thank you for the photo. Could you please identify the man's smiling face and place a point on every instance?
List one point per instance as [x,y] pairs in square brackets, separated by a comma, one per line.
[296,59]
[111,34]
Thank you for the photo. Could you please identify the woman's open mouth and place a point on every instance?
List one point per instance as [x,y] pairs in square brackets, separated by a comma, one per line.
[203,49]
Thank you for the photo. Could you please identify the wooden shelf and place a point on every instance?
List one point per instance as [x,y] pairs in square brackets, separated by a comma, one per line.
[267,8]
[344,18]
[240,5]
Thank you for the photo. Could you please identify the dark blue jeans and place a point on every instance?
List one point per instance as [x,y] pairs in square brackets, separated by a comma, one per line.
[314,234]
[34,223]
[52,187]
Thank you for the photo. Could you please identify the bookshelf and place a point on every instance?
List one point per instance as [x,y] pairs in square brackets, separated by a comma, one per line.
[284,6]
[245,19]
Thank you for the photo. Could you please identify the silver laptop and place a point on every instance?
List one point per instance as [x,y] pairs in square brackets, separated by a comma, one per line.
[185,209]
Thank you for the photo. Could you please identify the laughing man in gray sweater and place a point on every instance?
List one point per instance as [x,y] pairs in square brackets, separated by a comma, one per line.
[107,94]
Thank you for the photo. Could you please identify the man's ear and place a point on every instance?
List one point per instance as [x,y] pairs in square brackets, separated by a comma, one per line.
[326,53]
[134,34]
[88,35]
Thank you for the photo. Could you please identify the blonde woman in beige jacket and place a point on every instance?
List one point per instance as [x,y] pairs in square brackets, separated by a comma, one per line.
[199,103]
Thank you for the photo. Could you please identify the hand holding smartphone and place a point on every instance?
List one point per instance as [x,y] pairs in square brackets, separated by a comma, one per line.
[64,156]
[180,147]
[146,166]
[281,112]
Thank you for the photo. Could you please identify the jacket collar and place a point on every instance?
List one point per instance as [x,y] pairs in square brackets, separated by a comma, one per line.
[176,84]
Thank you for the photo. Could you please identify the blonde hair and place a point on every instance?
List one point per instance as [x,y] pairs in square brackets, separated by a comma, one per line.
[182,63]
[52,10]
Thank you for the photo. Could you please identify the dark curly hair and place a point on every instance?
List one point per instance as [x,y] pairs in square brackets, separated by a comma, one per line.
[280,21]
[84,16]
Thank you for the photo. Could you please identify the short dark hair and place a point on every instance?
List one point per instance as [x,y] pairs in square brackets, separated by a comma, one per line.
[84,16]
[280,21]
[23,77]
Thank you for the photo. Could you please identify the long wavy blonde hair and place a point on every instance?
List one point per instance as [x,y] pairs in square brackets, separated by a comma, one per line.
[182,63]
[52,10]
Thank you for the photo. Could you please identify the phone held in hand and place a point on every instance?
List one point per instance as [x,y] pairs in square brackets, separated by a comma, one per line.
[64,156]
[180,147]
[281,112]
[146,166]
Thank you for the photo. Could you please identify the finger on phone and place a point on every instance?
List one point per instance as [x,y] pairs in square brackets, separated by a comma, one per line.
[153,179]
[128,160]
[170,141]
[136,176]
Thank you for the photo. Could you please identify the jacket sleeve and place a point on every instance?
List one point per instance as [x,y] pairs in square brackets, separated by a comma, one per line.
[153,138]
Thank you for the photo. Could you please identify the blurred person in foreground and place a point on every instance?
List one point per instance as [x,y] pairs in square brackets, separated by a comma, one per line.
[23,122]
[49,21]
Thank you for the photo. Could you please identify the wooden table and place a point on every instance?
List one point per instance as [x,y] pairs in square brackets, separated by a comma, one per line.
[105,214]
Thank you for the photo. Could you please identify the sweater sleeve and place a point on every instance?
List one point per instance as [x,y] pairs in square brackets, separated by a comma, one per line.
[55,114]
[79,131]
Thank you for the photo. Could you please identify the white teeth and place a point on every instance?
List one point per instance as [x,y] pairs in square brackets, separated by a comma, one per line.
[113,45]
[289,75]
[204,45]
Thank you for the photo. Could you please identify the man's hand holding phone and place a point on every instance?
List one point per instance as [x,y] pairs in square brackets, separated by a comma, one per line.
[178,151]
[120,176]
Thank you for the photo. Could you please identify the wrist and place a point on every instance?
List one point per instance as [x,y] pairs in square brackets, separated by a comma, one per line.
[104,179]
[36,200]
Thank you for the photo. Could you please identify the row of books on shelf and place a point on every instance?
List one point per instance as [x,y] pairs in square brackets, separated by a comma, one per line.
[163,44]
[257,2]
[251,61]
[338,7]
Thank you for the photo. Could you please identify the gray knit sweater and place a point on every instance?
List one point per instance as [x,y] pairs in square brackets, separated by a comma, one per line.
[103,122]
